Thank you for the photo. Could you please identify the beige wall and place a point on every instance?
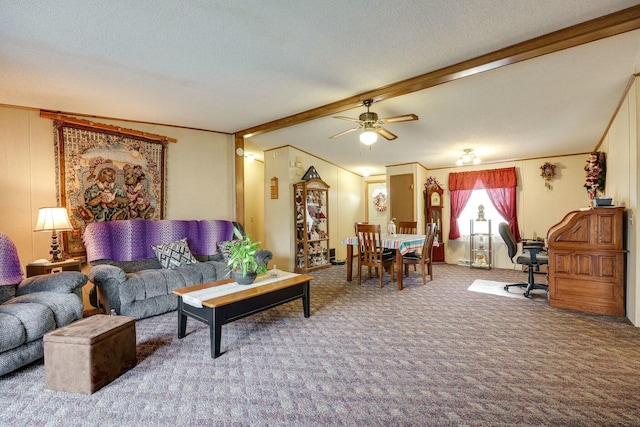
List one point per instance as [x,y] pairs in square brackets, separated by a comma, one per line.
[621,146]
[345,202]
[256,188]
[199,174]
[27,177]
[278,213]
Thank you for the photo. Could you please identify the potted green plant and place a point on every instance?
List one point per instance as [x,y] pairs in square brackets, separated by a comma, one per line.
[244,267]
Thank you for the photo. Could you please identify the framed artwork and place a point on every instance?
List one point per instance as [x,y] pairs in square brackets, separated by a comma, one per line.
[107,175]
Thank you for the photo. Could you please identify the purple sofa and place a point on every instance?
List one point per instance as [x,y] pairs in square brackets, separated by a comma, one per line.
[127,274]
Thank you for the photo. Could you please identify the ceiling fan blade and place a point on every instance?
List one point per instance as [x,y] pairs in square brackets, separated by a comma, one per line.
[396,119]
[385,133]
[347,118]
[344,133]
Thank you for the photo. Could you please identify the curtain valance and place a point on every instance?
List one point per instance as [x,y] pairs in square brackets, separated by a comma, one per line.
[492,178]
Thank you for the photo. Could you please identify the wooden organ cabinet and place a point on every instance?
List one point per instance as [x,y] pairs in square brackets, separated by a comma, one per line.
[587,261]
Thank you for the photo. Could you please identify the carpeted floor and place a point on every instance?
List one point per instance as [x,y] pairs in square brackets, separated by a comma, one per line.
[432,355]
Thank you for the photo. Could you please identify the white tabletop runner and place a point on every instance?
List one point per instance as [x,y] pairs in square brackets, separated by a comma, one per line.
[195,298]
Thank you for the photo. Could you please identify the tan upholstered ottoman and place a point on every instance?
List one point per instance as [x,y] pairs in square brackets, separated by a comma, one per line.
[88,354]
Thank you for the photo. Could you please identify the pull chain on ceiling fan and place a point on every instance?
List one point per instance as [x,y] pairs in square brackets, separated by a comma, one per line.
[370,124]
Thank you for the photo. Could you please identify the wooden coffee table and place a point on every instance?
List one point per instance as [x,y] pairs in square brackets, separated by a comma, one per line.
[224,309]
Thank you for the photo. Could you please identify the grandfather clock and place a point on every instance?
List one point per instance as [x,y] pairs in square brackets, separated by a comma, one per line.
[433,196]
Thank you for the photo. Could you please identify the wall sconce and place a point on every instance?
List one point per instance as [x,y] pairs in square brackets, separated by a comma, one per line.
[468,157]
[54,220]
[250,157]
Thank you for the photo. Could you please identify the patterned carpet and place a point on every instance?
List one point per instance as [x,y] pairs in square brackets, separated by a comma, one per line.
[432,355]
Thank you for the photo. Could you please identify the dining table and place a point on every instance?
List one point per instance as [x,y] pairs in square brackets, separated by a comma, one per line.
[402,243]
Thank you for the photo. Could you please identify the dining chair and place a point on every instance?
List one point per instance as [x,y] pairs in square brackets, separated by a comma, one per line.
[355,226]
[371,253]
[425,258]
[357,251]
[407,227]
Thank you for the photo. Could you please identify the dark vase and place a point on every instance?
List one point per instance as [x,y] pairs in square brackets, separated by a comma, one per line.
[244,280]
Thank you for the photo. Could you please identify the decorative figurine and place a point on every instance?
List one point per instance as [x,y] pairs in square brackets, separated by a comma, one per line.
[481,213]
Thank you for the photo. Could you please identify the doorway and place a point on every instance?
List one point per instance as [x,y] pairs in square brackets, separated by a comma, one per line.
[401,198]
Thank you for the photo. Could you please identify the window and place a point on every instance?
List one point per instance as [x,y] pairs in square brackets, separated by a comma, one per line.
[470,211]
[499,185]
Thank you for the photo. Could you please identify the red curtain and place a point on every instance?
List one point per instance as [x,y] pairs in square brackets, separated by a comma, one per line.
[459,199]
[504,200]
[501,188]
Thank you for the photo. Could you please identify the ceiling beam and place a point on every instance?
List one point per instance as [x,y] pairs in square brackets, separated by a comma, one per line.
[586,32]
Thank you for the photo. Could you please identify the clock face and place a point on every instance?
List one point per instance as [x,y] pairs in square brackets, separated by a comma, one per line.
[435,199]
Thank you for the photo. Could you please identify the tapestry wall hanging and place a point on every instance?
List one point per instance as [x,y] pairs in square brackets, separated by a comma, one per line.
[106,175]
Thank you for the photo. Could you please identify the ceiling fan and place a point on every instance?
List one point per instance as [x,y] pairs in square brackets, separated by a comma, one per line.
[370,123]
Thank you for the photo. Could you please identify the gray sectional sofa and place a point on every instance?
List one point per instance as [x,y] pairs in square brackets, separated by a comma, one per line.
[31,307]
[128,274]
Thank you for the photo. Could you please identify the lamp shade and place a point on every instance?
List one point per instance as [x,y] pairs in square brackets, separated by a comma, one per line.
[53,219]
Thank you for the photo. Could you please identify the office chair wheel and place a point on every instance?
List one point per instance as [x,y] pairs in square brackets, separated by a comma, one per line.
[506,288]
[526,294]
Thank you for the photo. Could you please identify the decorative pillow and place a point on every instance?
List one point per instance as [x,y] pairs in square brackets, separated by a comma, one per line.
[225,250]
[174,254]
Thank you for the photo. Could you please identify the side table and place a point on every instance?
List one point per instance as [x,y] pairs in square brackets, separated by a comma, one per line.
[53,267]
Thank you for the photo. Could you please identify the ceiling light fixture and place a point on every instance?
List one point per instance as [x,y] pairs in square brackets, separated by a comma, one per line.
[468,157]
[368,137]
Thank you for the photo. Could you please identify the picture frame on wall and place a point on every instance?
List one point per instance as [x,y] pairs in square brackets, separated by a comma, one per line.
[107,175]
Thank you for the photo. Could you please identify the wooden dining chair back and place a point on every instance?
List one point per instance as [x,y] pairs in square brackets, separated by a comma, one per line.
[357,251]
[425,258]
[371,253]
[407,227]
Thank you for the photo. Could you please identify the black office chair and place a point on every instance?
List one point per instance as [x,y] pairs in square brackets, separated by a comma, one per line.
[535,257]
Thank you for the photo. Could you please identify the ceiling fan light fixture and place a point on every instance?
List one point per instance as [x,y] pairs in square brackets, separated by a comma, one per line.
[368,137]
[370,125]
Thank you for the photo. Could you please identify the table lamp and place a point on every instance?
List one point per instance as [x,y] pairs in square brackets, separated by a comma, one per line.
[54,220]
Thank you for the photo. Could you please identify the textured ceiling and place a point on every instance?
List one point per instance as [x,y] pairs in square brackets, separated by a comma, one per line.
[227,66]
